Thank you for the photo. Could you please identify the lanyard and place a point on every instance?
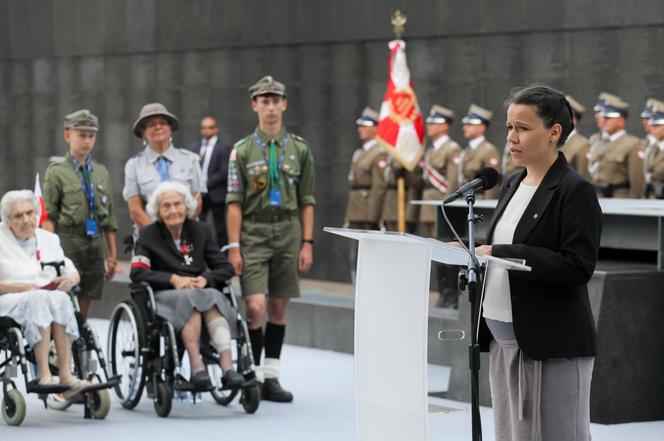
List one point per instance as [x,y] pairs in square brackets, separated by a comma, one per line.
[275,174]
[88,192]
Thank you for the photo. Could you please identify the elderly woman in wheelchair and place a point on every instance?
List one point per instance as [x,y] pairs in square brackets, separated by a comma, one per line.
[179,259]
[34,296]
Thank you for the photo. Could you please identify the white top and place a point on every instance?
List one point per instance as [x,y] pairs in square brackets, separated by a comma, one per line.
[474,143]
[367,145]
[616,135]
[497,303]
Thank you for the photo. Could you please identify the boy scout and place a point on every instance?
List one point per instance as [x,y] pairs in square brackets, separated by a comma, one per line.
[577,147]
[79,203]
[479,153]
[616,165]
[656,153]
[440,174]
[367,176]
[270,178]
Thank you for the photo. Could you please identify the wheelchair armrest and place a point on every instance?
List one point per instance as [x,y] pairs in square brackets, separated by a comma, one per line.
[138,286]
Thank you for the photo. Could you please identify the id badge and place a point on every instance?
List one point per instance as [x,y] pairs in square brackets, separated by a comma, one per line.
[91,227]
[275,197]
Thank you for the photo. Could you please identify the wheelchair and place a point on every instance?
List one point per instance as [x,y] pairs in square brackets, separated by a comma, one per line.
[144,351]
[87,356]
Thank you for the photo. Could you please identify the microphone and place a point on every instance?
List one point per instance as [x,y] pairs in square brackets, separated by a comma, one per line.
[485,179]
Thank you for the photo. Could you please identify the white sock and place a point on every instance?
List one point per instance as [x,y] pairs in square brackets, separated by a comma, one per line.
[271,367]
[220,334]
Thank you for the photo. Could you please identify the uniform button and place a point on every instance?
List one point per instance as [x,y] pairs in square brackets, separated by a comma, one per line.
[535,216]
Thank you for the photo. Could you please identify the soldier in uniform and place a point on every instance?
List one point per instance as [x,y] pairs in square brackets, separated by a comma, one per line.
[79,202]
[616,165]
[599,135]
[656,152]
[577,147]
[158,162]
[440,174]
[479,153]
[650,143]
[270,204]
[367,176]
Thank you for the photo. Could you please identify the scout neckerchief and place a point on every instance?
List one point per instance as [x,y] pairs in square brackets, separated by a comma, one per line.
[162,168]
[274,167]
[89,192]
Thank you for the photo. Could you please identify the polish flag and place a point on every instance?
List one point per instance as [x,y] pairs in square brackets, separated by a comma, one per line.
[42,215]
[401,125]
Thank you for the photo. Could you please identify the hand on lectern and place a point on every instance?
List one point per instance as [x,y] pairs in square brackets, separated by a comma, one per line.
[484,249]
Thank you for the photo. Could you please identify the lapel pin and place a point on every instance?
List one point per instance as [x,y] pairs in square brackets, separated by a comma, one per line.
[535,216]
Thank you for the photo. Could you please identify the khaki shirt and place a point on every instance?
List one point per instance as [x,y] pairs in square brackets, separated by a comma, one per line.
[445,160]
[367,185]
[619,162]
[248,174]
[65,201]
[577,153]
[472,160]
[413,187]
[656,168]
[506,165]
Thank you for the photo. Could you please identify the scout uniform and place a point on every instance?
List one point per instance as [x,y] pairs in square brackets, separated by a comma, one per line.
[79,201]
[413,187]
[616,165]
[656,154]
[271,179]
[145,171]
[479,153]
[441,167]
[367,179]
[577,148]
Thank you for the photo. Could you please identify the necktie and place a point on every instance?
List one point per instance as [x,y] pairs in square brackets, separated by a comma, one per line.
[163,169]
[275,177]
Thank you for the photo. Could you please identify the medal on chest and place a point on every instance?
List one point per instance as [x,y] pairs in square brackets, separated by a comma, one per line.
[186,250]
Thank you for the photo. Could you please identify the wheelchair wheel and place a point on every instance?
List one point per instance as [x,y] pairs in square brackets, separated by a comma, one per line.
[163,400]
[13,407]
[100,404]
[251,398]
[126,337]
[223,397]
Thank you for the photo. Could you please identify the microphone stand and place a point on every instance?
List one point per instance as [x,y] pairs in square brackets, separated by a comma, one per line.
[471,281]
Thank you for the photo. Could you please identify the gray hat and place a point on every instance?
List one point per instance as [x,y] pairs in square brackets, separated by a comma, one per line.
[369,118]
[150,110]
[267,86]
[647,110]
[477,115]
[82,120]
[439,115]
[614,107]
[657,109]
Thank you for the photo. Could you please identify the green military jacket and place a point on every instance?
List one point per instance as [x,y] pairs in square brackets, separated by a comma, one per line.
[248,173]
[65,201]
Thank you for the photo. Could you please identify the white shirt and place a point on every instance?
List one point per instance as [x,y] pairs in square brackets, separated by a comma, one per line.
[661,145]
[438,143]
[367,145]
[497,300]
[616,135]
[206,149]
[474,143]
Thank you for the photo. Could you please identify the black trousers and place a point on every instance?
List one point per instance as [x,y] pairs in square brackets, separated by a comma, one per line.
[218,210]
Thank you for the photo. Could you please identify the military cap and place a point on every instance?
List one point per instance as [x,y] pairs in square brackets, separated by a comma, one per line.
[577,108]
[477,115]
[439,115]
[369,118]
[657,109]
[150,110]
[82,120]
[267,86]
[601,99]
[614,107]
[647,110]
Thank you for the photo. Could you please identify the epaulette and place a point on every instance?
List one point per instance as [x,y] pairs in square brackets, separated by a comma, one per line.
[240,142]
[298,138]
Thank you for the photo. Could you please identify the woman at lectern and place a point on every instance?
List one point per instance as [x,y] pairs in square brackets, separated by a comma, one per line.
[538,325]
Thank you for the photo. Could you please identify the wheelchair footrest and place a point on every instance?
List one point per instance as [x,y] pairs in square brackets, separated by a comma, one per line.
[245,385]
[33,387]
[186,386]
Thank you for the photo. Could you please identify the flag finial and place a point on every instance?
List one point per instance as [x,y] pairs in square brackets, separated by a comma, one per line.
[399,20]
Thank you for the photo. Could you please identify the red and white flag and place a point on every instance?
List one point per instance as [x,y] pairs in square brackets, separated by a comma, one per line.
[42,215]
[401,125]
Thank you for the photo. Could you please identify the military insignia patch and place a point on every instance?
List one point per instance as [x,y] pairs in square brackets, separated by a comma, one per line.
[259,182]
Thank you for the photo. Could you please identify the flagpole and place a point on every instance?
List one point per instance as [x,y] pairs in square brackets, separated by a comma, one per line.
[399,25]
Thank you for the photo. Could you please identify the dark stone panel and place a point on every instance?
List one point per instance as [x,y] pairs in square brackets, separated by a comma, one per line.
[140,29]
[41,27]
[91,74]
[18,29]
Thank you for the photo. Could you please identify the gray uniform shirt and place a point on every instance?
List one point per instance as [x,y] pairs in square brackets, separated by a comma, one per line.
[142,175]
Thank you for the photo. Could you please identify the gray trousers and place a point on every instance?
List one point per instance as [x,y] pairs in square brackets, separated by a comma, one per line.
[539,400]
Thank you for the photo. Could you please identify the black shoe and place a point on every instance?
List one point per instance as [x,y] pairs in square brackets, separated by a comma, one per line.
[272,391]
[232,378]
[200,379]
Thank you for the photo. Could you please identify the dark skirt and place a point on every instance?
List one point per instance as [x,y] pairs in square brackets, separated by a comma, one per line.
[177,305]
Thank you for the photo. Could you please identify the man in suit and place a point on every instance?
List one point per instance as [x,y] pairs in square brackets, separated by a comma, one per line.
[214,157]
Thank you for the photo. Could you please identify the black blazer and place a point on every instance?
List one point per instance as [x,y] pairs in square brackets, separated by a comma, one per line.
[217,178]
[156,258]
[559,236]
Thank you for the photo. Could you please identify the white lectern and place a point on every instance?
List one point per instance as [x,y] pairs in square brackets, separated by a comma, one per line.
[391,316]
